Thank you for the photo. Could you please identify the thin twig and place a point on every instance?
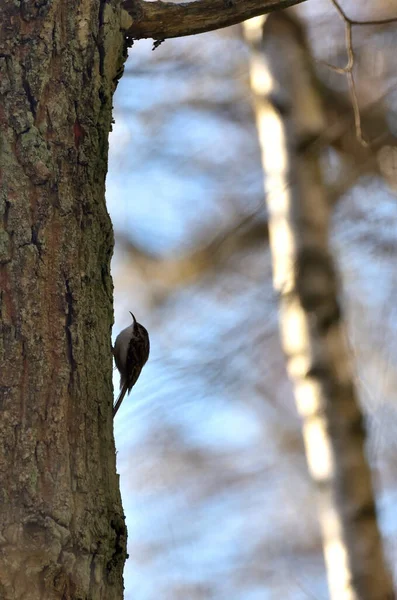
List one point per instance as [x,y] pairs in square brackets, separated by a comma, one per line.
[375,22]
[357,22]
[348,69]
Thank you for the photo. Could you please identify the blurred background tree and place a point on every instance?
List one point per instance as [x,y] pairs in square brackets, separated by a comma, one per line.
[214,480]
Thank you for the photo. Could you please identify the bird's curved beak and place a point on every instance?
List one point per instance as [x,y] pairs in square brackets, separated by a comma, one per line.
[133,318]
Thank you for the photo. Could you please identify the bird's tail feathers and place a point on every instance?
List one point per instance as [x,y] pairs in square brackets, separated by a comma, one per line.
[120,398]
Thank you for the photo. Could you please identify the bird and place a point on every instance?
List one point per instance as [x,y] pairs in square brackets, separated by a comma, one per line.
[131,352]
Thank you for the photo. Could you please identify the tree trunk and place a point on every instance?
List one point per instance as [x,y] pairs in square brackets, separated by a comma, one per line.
[62,530]
[290,119]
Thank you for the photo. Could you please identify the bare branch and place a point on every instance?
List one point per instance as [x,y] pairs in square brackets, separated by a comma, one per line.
[344,16]
[348,69]
[173,272]
[374,22]
[162,20]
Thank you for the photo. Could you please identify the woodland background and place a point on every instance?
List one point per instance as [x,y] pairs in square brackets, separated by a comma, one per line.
[213,474]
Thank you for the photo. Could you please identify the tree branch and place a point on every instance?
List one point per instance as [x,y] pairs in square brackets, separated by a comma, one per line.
[172,272]
[162,20]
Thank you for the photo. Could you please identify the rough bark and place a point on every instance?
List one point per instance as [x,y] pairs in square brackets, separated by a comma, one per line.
[290,118]
[62,531]
[161,20]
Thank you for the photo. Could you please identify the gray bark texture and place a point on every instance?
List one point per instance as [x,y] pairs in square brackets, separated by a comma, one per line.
[62,530]
[290,120]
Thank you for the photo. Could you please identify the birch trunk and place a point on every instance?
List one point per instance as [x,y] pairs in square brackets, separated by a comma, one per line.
[289,118]
[62,530]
